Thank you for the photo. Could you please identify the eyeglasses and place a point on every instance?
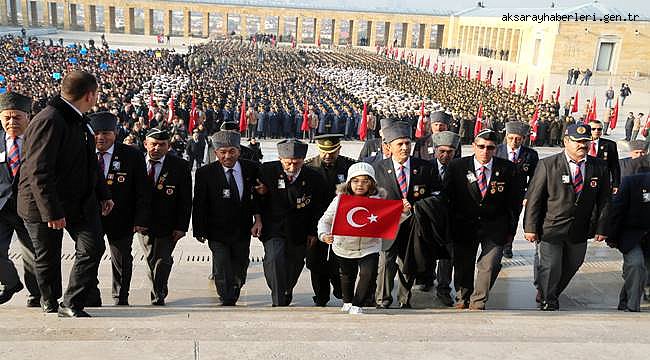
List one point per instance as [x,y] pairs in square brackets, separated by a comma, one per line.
[488,147]
[596,129]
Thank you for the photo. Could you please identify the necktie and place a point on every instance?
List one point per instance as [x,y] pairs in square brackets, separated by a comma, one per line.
[14,157]
[232,184]
[152,170]
[443,171]
[578,181]
[100,161]
[592,149]
[482,181]
[290,179]
[513,156]
[401,180]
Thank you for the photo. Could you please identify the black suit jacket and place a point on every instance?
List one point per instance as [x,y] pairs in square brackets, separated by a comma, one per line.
[425,149]
[608,151]
[129,185]
[216,214]
[171,198]
[474,218]
[291,211]
[8,184]
[60,175]
[555,213]
[526,161]
[423,183]
[369,147]
[630,214]
[631,166]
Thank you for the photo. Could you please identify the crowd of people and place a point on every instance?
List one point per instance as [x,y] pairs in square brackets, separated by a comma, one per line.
[94,146]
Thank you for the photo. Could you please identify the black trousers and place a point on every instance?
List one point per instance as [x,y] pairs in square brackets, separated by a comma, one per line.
[366,269]
[10,222]
[121,248]
[158,251]
[89,247]
[323,272]
[229,266]
[283,263]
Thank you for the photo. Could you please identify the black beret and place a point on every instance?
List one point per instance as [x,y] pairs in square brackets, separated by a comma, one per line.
[103,121]
[487,134]
[158,134]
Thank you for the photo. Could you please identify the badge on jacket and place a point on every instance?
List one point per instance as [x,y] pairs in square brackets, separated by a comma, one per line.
[471,177]
[566,179]
[116,165]
[226,193]
[645,197]
[341,178]
[281,184]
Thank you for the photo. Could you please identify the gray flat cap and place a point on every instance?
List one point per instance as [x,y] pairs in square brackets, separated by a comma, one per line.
[292,149]
[226,138]
[446,138]
[398,130]
[518,128]
[636,145]
[440,117]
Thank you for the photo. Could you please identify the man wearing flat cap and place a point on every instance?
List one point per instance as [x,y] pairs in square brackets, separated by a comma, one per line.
[373,147]
[633,164]
[61,188]
[333,168]
[524,158]
[170,183]
[124,171]
[226,213]
[15,111]
[566,190]
[425,148]
[408,179]
[292,203]
[483,195]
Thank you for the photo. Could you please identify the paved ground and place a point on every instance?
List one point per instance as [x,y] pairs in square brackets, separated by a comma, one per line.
[193,326]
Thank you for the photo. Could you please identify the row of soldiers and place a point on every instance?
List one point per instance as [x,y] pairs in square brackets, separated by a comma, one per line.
[76,177]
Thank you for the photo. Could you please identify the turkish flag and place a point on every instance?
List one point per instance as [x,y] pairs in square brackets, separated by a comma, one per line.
[367,217]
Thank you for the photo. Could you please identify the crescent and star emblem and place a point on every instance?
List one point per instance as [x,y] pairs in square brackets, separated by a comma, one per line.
[371,219]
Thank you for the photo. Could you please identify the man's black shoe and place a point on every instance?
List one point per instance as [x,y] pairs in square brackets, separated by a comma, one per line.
[382,306]
[158,302]
[446,300]
[405,306]
[7,294]
[65,311]
[507,253]
[121,302]
[33,302]
[547,306]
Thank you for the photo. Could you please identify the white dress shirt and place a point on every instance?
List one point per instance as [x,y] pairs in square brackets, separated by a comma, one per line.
[573,166]
[488,167]
[108,155]
[158,167]
[516,151]
[237,174]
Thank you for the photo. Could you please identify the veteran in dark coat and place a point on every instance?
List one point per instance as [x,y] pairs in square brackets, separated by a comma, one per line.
[634,164]
[15,111]
[524,158]
[291,206]
[171,207]
[565,191]
[629,231]
[425,148]
[607,150]
[321,261]
[226,213]
[61,188]
[484,195]
[125,173]
[403,177]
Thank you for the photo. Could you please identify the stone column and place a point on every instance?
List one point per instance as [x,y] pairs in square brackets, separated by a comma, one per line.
[24,4]
[55,15]
[89,17]
[13,17]
[224,19]
[148,22]
[280,26]
[129,20]
[109,19]
[427,36]
[45,16]
[317,29]
[514,46]
[407,35]
[4,19]
[66,15]
[187,27]
[73,16]
[336,32]
[389,34]
[370,33]
[243,25]
[354,34]
[34,13]
[205,24]
[167,22]
[299,29]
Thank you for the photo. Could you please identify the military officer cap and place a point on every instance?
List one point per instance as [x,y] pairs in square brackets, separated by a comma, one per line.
[446,138]
[292,149]
[487,134]
[578,132]
[518,128]
[158,134]
[636,145]
[229,125]
[328,143]
[440,117]
[103,121]
[398,130]
[226,138]
[15,101]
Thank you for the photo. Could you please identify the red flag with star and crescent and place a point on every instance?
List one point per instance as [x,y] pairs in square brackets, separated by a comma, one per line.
[367,217]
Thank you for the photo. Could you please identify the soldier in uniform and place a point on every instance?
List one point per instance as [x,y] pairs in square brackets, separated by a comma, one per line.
[565,191]
[321,261]
[484,194]
[607,150]
[225,204]
[425,147]
[638,149]
[124,170]
[171,207]
[630,233]
[291,206]
[524,158]
[15,110]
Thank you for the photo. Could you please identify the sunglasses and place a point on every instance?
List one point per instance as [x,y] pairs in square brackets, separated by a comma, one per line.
[596,129]
[488,147]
